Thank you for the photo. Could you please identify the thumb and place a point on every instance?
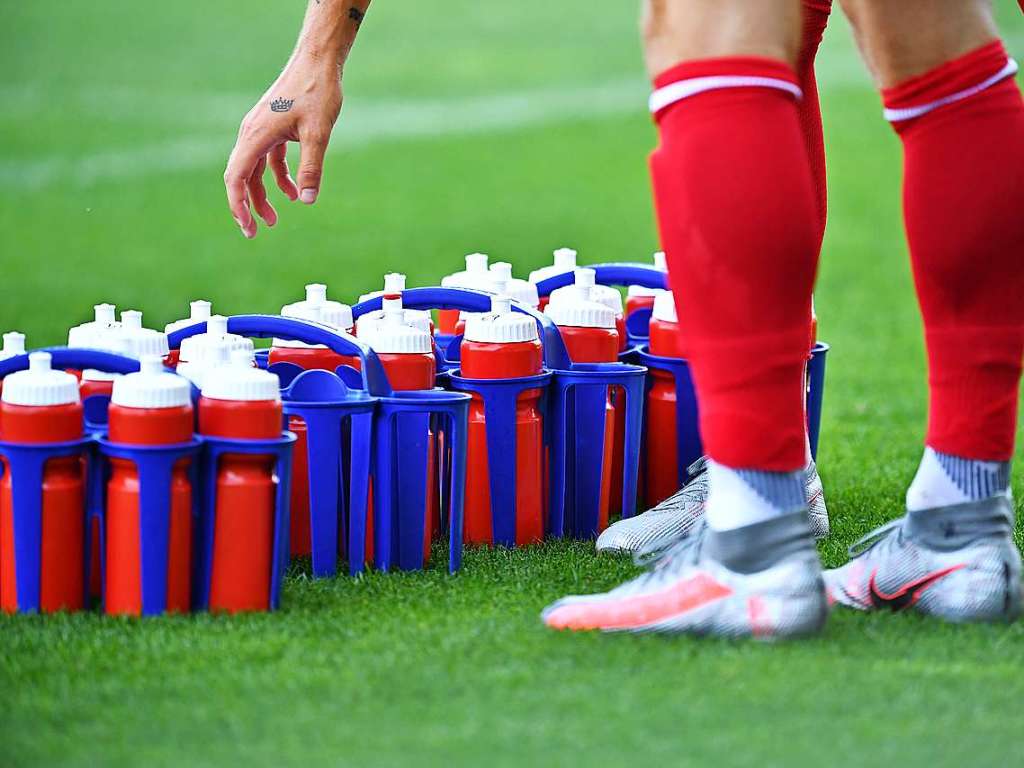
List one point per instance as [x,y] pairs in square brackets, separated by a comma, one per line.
[313,145]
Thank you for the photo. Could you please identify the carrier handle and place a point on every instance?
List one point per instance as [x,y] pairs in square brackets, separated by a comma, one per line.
[75,358]
[619,274]
[467,300]
[375,381]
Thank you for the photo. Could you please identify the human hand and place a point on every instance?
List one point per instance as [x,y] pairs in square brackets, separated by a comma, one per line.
[302,105]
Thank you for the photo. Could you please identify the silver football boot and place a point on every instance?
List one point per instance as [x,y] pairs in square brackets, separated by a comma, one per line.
[671,520]
[958,563]
[762,581]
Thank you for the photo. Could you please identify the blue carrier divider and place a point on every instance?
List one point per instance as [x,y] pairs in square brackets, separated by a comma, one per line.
[27,462]
[337,415]
[816,393]
[688,439]
[214,448]
[155,464]
[578,411]
[573,412]
[618,275]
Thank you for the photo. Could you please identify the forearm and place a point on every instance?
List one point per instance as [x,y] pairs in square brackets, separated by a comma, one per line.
[329,30]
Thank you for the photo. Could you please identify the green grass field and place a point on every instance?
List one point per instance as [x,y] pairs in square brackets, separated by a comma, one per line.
[509,128]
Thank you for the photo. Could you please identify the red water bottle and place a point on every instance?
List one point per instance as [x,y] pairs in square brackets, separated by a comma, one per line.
[240,401]
[316,308]
[151,407]
[603,294]
[661,474]
[14,345]
[475,276]
[611,298]
[588,330]
[200,353]
[564,261]
[94,334]
[42,405]
[407,355]
[338,316]
[394,284]
[99,333]
[503,344]
[641,297]
[199,312]
[522,291]
[498,287]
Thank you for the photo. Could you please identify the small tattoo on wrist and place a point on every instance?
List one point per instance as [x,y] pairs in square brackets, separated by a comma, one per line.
[356,15]
[281,105]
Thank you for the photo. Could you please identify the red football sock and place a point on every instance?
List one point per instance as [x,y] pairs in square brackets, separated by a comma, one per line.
[962,127]
[816,13]
[738,221]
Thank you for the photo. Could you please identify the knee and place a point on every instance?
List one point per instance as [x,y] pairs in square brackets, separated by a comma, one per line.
[682,30]
[901,40]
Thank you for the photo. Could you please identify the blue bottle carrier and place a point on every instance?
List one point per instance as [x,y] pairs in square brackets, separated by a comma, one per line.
[637,329]
[572,405]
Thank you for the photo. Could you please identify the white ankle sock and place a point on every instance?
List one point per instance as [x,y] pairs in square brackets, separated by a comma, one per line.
[943,479]
[739,497]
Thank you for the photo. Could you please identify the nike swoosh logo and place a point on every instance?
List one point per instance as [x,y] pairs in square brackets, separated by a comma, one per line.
[909,593]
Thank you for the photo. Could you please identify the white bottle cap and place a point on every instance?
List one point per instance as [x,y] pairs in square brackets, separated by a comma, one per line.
[664,308]
[317,309]
[521,290]
[501,325]
[475,275]
[99,333]
[135,341]
[236,380]
[391,334]
[151,387]
[578,305]
[201,348]
[586,278]
[199,310]
[40,385]
[14,345]
[394,283]
[564,261]
[660,262]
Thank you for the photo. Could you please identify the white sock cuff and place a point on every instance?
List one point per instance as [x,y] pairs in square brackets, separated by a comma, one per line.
[910,113]
[684,89]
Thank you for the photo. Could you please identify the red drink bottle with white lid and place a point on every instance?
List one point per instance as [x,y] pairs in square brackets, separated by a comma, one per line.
[603,294]
[13,345]
[475,276]
[200,353]
[150,407]
[503,344]
[407,355]
[318,309]
[42,405]
[199,312]
[522,291]
[100,333]
[661,473]
[394,284]
[611,298]
[315,308]
[240,401]
[588,330]
[563,260]
[641,297]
